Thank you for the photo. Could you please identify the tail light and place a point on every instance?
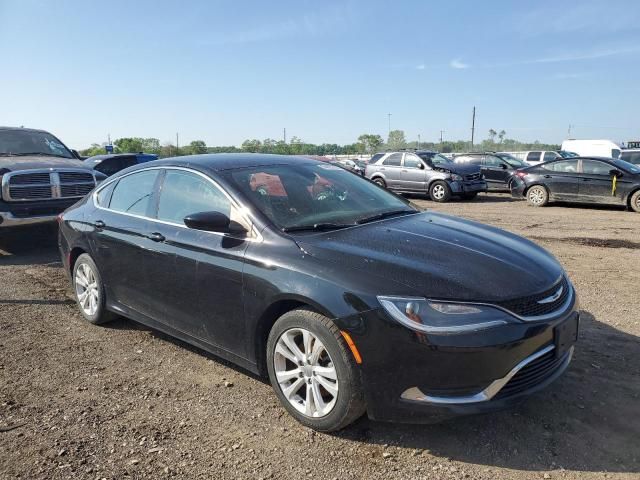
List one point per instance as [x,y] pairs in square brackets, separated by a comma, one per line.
[521,174]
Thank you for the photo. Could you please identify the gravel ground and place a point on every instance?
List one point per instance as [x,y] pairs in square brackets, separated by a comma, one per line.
[122,401]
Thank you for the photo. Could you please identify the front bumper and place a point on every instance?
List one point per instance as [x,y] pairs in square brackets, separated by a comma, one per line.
[460,188]
[15,214]
[7,219]
[418,378]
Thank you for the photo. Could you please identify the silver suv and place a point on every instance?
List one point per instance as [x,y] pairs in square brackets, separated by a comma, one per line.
[425,172]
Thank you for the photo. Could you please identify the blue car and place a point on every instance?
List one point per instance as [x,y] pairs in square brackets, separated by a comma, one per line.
[110,164]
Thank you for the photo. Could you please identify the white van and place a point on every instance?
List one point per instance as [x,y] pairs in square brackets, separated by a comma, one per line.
[592,148]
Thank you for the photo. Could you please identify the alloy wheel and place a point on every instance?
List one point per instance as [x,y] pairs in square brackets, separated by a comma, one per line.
[305,372]
[536,196]
[438,192]
[87,289]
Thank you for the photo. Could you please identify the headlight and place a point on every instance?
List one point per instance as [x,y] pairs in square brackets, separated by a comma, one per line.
[432,316]
[456,178]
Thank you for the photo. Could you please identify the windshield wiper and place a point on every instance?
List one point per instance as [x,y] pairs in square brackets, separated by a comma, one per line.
[380,216]
[317,227]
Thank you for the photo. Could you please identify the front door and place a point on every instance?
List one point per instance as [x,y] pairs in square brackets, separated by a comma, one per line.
[414,173]
[200,291]
[596,183]
[496,172]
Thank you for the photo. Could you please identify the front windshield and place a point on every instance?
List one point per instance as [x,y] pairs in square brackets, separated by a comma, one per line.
[313,195]
[511,160]
[28,142]
[629,167]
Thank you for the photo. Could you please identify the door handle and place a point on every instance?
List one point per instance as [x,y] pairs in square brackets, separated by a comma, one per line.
[156,237]
[547,176]
[99,224]
[405,171]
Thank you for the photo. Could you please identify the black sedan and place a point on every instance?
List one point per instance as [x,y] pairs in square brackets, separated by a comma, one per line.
[345,295]
[580,180]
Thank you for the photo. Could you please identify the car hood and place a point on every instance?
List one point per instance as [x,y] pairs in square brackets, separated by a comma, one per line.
[460,169]
[32,162]
[440,256]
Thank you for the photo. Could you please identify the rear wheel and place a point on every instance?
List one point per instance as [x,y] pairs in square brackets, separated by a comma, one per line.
[313,372]
[89,291]
[440,191]
[635,201]
[380,182]
[538,196]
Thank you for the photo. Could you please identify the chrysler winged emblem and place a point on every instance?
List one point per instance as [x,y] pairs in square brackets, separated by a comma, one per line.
[552,298]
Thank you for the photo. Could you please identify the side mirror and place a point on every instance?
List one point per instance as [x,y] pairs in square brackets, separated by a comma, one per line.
[421,166]
[503,166]
[615,172]
[213,222]
[76,154]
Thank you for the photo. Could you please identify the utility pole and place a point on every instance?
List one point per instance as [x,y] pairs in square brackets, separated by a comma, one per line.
[177,145]
[418,141]
[389,115]
[473,126]
[284,134]
[569,131]
[441,132]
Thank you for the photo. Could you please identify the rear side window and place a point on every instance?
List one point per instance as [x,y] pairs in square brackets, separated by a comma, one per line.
[548,156]
[569,166]
[104,196]
[534,156]
[185,193]
[393,160]
[133,193]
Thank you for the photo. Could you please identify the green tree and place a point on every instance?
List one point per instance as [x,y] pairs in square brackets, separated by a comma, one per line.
[501,135]
[197,147]
[129,145]
[370,143]
[396,140]
[492,135]
[252,146]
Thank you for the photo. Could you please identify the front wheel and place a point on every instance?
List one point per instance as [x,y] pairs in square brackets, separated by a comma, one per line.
[313,372]
[440,192]
[538,196]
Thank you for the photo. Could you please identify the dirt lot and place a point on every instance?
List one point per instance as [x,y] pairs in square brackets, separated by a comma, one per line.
[78,401]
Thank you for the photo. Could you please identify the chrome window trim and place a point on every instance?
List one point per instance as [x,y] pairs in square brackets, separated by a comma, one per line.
[242,210]
[54,183]
[415,394]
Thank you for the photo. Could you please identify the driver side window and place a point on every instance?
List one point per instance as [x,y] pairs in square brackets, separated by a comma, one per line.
[412,161]
[593,167]
[185,193]
[492,161]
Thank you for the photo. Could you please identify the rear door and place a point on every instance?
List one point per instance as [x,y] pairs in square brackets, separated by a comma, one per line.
[414,173]
[122,246]
[596,183]
[391,168]
[561,179]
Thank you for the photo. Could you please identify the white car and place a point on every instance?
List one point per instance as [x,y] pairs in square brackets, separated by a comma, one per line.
[593,148]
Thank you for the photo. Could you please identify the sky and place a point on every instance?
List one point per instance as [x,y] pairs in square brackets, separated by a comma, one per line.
[227,70]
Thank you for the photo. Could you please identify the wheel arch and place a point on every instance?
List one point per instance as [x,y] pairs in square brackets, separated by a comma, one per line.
[269,317]
[536,184]
[73,256]
[627,201]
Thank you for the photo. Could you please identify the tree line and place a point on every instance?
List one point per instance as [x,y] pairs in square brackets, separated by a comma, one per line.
[366,144]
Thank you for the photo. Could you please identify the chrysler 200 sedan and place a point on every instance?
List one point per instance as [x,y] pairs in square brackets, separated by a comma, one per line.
[350,299]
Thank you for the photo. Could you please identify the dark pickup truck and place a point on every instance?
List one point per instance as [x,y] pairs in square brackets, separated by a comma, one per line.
[39,177]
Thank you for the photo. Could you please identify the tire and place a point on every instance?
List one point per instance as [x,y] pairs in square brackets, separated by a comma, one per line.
[635,201]
[537,196]
[86,271]
[340,409]
[380,181]
[470,196]
[440,191]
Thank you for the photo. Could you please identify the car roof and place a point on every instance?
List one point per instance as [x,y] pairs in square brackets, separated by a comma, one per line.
[23,129]
[228,161]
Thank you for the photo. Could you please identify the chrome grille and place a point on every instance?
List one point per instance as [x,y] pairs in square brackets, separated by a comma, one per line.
[46,184]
